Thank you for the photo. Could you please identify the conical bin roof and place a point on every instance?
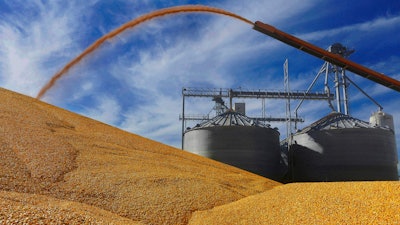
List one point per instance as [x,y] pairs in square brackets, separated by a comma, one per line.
[231,118]
[336,120]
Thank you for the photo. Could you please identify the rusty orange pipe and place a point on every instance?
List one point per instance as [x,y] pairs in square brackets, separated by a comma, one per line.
[327,56]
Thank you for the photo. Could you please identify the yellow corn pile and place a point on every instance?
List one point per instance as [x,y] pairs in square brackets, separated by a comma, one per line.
[58,167]
[52,152]
[312,203]
[22,208]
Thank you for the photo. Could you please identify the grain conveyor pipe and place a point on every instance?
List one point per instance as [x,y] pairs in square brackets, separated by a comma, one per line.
[327,56]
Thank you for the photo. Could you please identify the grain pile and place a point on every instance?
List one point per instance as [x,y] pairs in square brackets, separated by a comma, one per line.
[68,158]
[22,208]
[312,203]
[57,167]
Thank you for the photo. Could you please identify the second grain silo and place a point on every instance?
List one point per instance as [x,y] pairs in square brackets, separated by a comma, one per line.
[340,148]
[237,140]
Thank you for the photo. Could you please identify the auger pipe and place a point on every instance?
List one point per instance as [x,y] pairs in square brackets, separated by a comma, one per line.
[327,56]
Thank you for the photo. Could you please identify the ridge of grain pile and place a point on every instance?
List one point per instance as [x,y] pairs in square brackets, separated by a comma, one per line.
[375,202]
[49,151]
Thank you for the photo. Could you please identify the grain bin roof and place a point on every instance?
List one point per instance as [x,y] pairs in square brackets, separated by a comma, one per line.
[336,120]
[230,118]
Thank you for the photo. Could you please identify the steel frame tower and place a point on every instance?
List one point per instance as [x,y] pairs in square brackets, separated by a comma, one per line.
[340,81]
[340,78]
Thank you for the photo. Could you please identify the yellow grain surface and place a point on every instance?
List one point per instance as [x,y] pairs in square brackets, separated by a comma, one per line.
[22,208]
[312,203]
[49,151]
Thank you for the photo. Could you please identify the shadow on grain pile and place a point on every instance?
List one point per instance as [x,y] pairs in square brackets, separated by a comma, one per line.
[60,155]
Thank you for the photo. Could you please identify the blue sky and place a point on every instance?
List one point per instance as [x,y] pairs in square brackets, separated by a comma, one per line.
[134,81]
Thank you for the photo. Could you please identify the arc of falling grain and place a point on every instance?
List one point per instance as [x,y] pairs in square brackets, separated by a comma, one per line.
[129,25]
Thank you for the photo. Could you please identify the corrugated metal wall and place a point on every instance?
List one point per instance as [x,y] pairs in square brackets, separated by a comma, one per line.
[252,148]
[344,154]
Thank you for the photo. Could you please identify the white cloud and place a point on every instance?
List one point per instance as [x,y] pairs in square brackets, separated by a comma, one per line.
[359,29]
[34,47]
[106,109]
[157,120]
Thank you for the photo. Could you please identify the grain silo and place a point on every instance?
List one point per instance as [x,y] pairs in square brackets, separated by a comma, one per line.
[237,140]
[382,119]
[339,148]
